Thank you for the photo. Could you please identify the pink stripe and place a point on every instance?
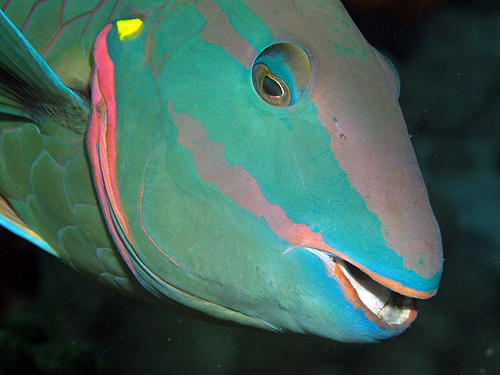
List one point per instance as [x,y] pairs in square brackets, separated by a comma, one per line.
[240,185]
[101,142]
[237,183]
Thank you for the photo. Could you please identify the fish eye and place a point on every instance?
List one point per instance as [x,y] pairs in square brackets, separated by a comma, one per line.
[281,73]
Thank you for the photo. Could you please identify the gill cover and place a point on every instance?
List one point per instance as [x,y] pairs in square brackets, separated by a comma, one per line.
[252,163]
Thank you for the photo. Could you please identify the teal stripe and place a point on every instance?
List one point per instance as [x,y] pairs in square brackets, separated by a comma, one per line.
[250,26]
[287,152]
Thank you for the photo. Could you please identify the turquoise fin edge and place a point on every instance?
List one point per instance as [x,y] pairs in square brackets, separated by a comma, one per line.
[10,221]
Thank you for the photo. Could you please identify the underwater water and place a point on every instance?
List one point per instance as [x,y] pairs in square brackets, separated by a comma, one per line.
[55,321]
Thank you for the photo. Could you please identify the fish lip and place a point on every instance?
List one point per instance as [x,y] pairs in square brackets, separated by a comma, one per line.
[382,305]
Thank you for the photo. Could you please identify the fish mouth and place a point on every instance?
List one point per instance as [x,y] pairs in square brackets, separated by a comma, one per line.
[387,306]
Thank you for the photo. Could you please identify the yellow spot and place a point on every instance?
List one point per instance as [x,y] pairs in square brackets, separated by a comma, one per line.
[128,29]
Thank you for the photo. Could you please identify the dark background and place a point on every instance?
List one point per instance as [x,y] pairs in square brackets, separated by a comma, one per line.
[55,321]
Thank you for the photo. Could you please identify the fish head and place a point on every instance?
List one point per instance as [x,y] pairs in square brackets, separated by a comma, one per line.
[253,163]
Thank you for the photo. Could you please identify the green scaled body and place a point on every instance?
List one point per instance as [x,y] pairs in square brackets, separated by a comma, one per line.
[245,160]
[45,174]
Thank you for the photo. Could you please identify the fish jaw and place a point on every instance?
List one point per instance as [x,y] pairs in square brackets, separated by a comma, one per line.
[334,300]
[385,307]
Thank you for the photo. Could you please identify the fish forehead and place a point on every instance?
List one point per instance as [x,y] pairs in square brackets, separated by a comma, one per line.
[341,165]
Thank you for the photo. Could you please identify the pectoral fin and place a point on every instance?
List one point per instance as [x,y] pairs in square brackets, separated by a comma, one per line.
[29,88]
[10,220]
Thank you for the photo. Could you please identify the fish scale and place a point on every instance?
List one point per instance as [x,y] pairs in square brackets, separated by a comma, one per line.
[70,223]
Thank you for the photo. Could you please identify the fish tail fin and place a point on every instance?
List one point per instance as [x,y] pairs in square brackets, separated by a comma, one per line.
[29,88]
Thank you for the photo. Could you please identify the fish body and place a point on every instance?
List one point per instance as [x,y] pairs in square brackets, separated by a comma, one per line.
[245,160]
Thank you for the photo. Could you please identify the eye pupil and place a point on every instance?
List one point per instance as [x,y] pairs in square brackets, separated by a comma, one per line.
[272,87]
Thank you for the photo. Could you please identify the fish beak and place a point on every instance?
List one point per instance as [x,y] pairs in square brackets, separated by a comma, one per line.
[380,304]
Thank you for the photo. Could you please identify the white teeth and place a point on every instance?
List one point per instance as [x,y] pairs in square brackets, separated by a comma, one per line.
[391,307]
[388,305]
[371,293]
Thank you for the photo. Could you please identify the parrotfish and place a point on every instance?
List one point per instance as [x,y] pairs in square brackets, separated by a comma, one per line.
[246,161]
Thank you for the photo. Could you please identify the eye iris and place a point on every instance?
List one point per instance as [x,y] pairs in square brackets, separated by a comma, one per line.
[280,74]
